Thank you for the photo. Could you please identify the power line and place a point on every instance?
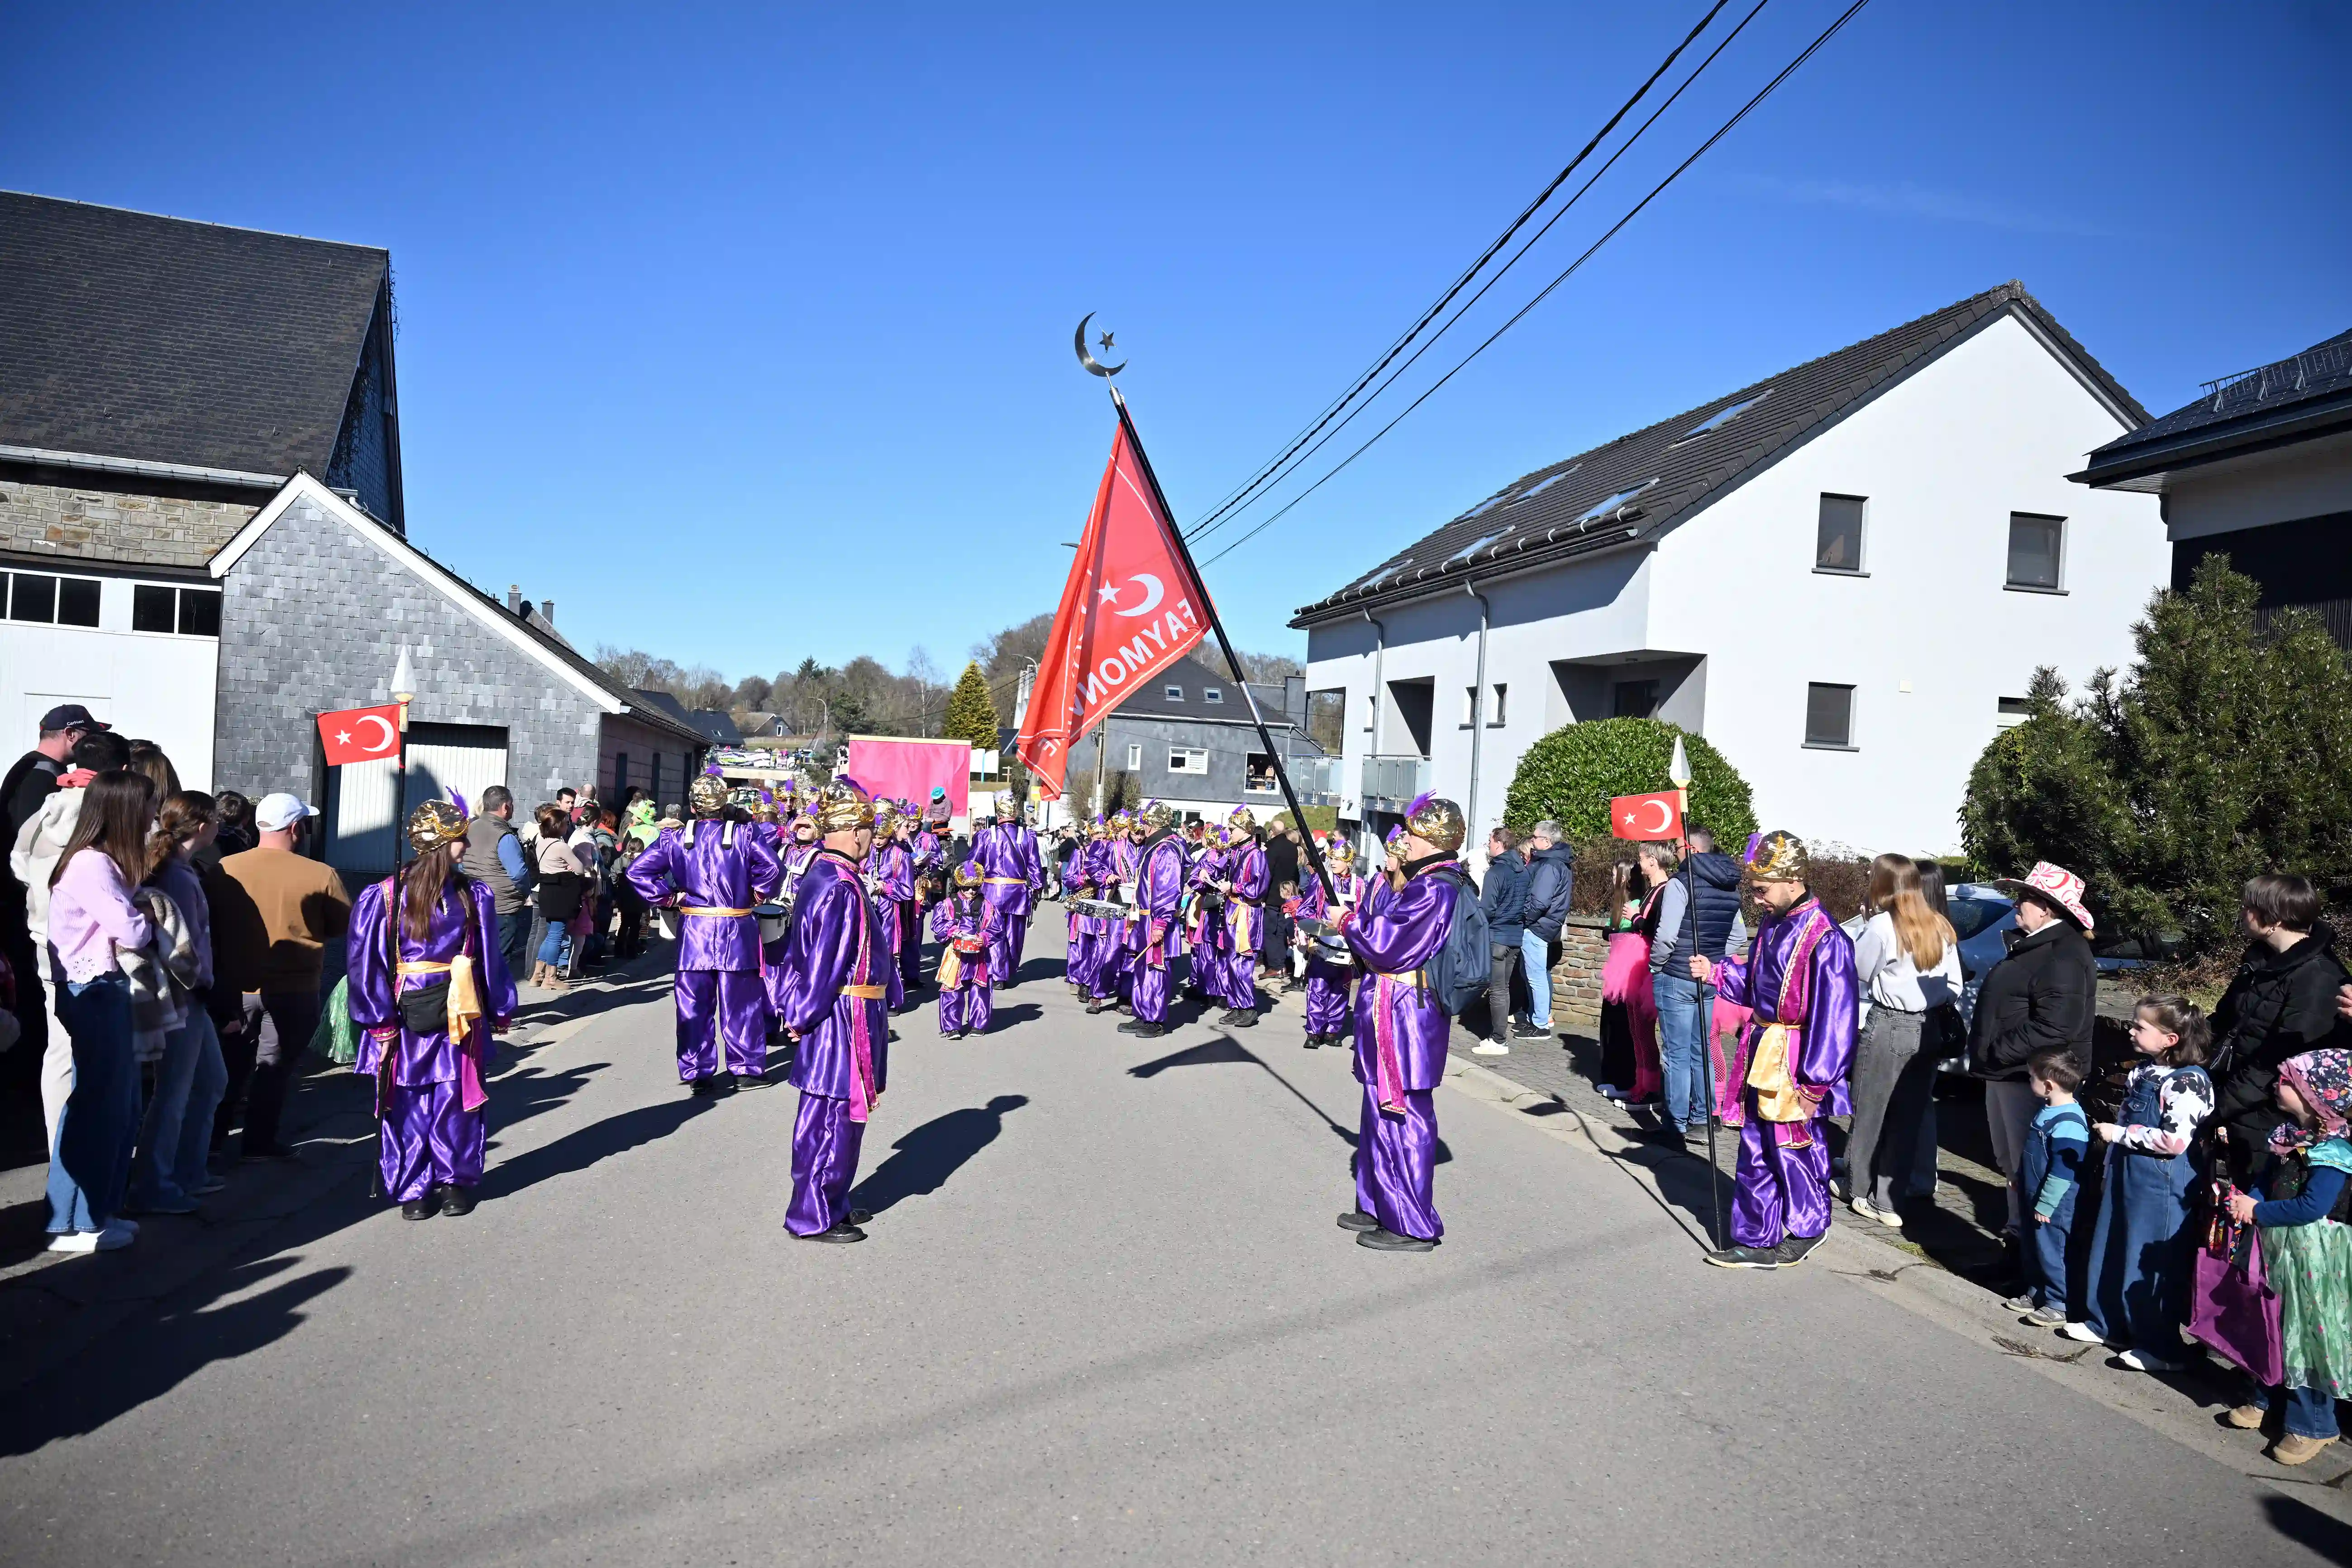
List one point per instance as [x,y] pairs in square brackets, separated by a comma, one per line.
[1260,477]
[1789,69]
[1627,145]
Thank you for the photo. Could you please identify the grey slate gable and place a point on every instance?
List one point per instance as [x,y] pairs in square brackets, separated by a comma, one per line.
[124,334]
[1657,476]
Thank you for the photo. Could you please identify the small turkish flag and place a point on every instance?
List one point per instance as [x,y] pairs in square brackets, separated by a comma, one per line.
[360,734]
[1127,614]
[1647,817]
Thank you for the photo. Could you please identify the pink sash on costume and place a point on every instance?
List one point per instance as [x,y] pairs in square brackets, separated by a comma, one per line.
[1790,1009]
[1388,1071]
[861,1039]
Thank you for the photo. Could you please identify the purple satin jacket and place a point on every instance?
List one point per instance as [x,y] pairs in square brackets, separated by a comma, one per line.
[1824,1053]
[1395,936]
[837,942]
[708,866]
[430,1058]
[1008,850]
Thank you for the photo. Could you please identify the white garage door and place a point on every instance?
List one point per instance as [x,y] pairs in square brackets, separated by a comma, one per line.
[359,808]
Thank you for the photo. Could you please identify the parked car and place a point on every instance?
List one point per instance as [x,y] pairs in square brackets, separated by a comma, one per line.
[1982,917]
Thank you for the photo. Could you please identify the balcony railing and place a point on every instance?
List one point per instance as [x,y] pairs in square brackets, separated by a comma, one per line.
[1389,784]
[1316,780]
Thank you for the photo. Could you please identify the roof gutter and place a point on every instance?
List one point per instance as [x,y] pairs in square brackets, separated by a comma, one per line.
[2208,444]
[1379,658]
[1438,590]
[139,468]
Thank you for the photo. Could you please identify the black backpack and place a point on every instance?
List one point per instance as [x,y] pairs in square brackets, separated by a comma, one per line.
[1458,970]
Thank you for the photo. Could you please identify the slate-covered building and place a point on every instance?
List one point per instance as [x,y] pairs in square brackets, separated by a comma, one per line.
[2259,469]
[1186,739]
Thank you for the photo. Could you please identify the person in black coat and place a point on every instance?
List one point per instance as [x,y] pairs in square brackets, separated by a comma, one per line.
[2042,996]
[2281,1002]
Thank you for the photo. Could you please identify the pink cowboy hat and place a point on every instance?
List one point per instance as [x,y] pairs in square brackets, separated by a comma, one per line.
[2054,884]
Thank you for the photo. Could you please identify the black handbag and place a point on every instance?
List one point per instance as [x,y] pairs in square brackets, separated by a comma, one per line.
[559,893]
[424,1009]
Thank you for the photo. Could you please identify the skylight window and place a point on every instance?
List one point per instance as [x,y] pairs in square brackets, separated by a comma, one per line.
[1723,416]
[1476,544]
[1386,569]
[1483,507]
[1534,490]
[1603,508]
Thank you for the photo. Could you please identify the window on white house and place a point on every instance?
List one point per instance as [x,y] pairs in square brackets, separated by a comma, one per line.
[52,601]
[1501,706]
[2036,551]
[2014,711]
[1829,716]
[1469,706]
[1371,710]
[189,612]
[1175,693]
[1135,756]
[1187,760]
[1257,773]
[1838,546]
[1212,694]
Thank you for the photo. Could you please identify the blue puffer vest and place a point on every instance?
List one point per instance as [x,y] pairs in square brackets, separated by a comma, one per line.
[1711,885]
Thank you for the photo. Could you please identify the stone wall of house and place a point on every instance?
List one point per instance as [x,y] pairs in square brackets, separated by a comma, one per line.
[313,617]
[1576,978]
[85,523]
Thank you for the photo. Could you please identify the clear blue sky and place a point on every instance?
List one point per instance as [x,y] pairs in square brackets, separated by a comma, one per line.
[745,333]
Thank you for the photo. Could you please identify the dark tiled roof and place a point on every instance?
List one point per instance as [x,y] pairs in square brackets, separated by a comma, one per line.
[715,726]
[2292,399]
[1151,701]
[128,335]
[1640,485]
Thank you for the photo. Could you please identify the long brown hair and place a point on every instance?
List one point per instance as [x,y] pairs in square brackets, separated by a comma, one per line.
[116,808]
[147,757]
[185,814]
[1894,891]
[2183,1020]
[424,883]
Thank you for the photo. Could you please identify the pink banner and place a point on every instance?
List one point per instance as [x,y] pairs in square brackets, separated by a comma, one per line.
[910,770]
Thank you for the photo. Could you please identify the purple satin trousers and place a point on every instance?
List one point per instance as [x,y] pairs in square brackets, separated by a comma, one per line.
[1776,1192]
[1329,1005]
[825,1162]
[430,1139]
[969,1007]
[1149,992]
[1004,947]
[1396,1166]
[722,1004]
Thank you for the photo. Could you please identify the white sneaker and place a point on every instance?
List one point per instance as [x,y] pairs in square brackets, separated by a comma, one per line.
[74,1241]
[119,1232]
[2082,1334]
[2148,1361]
[1876,1216]
[1490,1049]
[1608,1091]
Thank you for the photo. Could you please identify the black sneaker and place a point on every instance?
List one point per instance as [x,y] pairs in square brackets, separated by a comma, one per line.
[1748,1257]
[418,1208]
[456,1201]
[1357,1219]
[1380,1240]
[1794,1248]
[1142,1029]
[844,1231]
[704,1088]
[1529,1031]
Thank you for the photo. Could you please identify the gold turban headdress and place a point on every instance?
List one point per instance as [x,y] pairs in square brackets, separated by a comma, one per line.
[1339,851]
[843,805]
[1438,823]
[886,816]
[707,796]
[1242,818]
[1007,809]
[1155,816]
[968,874]
[433,824]
[1777,856]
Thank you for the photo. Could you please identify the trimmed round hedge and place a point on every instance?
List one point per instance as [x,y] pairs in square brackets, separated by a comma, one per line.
[1571,774]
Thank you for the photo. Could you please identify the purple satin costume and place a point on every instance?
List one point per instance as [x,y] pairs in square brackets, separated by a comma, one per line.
[892,865]
[1401,1037]
[969,1004]
[1087,932]
[719,987]
[775,978]
[430,1138]
[1159,890]
[1328,985]
[1121,940]
[1780,1188]
[842,1060]
[1206,937]
[1007,854]
[1245,915]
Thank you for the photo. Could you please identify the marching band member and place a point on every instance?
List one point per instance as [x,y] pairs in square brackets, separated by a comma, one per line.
[1244,890]
[715,873]
[1088,936]
[890,873]
[960,923]
[1160,890]
[428,987]
[1012,876]
[1328,983]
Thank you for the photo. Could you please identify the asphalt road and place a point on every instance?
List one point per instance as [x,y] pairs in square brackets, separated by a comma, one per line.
[1104,1315]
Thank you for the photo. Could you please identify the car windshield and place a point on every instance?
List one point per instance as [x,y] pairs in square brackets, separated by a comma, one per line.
[1970,916]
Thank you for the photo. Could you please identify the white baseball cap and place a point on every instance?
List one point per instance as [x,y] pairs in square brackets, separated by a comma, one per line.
[280,811]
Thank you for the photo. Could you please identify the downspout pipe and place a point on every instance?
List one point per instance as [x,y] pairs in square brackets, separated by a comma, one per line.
[1379,711]
[1478,711]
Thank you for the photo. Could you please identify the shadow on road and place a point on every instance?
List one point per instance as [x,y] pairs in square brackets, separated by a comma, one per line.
[575,1151]
[2304,1525]
[926,1157]
[1018,1012]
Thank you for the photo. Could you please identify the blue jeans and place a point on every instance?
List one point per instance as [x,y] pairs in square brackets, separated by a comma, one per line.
[1684,1019]
[1535,955]
[89,1165]
[2310,1412]
[176,1132]
[552,946]
[2044,1254]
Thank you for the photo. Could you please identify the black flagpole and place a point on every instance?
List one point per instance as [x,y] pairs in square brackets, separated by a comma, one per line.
[1208,606]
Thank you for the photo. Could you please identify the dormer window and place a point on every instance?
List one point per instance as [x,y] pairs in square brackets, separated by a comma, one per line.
[1175,693]
[1211,694]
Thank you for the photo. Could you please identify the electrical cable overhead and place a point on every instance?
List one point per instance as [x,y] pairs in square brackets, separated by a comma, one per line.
[1259,477]
[1721,132]
[1293,465]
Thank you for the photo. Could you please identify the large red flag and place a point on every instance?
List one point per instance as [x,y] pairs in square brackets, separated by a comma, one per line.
[1127,614]
[360,734]
[1647,817]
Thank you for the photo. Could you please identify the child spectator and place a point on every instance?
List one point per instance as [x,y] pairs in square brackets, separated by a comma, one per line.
[2052,1166]
[2306,1253]
[2138,1287]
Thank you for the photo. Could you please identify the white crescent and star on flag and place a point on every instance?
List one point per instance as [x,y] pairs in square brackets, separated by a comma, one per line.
[1152,593]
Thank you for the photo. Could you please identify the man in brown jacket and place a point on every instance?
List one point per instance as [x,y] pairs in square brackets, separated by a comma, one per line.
[274,910]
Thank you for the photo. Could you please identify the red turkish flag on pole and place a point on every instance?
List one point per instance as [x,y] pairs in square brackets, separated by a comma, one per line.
[1647,817]
[360,734]
[1128,612]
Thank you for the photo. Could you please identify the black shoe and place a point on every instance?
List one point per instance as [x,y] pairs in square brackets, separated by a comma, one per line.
[704,1088]
[1380,1240]
[1126,1009]
[418,1208]
[1142,1029]
[1748,1257]
[1668,1136]
[1357,1219]
[1793,1248]
[749,1080]
[844,1231]
[1313,1041]
[455,1200]
[860,1216]
[1528,1032]
[275,1152]
[1097,1005]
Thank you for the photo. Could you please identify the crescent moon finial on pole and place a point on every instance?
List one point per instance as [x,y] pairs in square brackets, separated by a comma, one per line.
[1088,359]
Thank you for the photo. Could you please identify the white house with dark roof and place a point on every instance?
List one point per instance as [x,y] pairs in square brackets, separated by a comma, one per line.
[1842,576]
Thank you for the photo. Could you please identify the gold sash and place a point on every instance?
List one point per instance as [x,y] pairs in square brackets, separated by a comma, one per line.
[866,993]
[1778,1098]
[695,909]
